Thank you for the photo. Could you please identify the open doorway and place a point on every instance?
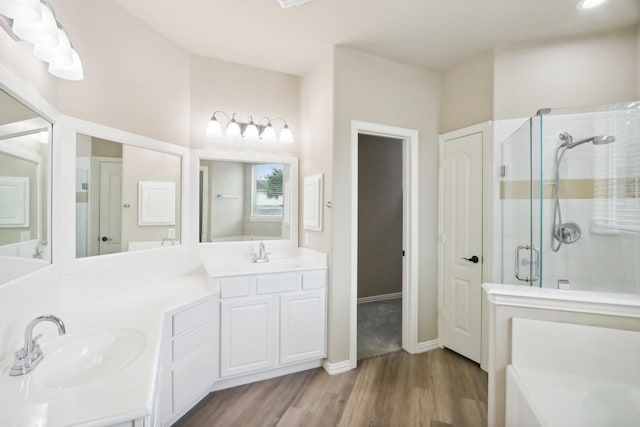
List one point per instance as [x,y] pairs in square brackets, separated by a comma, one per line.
[376,242]
[380,216]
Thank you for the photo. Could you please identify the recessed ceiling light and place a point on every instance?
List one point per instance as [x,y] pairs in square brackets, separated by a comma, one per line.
[290,3]
[590,4]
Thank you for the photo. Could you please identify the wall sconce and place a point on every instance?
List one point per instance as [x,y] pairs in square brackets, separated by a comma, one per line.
[249,130]
[34,21]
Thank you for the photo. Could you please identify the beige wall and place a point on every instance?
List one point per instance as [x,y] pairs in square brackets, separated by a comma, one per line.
[135,78]
[140,164]
[467,93]
[377,90]
[316,145]
[221,85]
[379,216]
[595,70]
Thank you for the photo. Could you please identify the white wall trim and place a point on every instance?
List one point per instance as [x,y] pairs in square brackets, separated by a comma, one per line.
[425,346]
[383,297]
[410,144]
[336,368]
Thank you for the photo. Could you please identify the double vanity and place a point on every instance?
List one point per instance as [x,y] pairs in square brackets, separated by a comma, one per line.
[150,254]
[144,358]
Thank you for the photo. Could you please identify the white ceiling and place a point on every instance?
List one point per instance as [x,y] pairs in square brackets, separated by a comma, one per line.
[433,34]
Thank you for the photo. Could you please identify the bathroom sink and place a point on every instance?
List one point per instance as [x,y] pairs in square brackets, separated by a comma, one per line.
[79,359]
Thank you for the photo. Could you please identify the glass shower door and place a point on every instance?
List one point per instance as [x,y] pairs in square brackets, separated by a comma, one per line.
[519,204]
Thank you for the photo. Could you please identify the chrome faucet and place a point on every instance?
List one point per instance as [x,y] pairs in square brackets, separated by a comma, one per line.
[168,239]
[261,256]
[30,355]
[39,250]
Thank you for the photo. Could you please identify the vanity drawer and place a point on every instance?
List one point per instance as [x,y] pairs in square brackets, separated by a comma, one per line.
[192,317]
[315,279]
[275,283]
[231,287]
[192,341]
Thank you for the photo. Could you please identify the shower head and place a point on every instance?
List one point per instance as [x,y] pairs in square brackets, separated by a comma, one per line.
[596,140]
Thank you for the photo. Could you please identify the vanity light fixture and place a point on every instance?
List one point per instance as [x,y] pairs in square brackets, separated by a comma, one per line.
[590,4]
[249,130]
[34,21]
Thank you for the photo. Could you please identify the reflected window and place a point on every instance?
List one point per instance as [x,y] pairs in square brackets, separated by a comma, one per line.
[267,200]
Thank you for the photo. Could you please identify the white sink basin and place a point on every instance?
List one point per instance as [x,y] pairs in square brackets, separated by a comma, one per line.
[78,359]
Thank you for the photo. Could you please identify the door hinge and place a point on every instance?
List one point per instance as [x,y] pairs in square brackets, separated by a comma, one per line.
[503,170]
[403,252]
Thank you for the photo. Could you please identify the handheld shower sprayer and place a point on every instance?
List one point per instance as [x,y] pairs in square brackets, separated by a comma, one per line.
[569,231]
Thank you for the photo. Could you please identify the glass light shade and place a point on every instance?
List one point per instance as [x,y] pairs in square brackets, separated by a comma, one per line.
[213,128]
[40,33]
[286,137]
[60,55]
[21,10]
[233,129]
[590,4]
[74,71]
[251,131]
[269,134]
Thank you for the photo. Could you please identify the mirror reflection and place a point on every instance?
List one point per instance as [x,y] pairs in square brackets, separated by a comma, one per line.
[127,197]
[24,183]
[242,201]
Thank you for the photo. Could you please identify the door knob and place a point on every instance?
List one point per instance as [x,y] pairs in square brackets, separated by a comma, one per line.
[104,238]
[474,259]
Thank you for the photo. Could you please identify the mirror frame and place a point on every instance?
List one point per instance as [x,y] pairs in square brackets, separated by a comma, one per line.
[26,94]
[246,157]
[78,126]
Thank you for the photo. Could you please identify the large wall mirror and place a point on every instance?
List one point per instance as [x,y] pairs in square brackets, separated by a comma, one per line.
[127,197]
[247,200]
[25,147]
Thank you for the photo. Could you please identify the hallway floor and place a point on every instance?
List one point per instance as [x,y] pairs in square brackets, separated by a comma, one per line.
[379,328]
[434,389]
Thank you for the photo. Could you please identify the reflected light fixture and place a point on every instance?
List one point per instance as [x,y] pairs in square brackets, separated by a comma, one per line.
[590,4]
[249,130]
[34,22]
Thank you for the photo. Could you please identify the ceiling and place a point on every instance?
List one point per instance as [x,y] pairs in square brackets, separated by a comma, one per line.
[433,34]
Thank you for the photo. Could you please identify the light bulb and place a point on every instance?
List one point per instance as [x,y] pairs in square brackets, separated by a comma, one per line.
[21,10]
[251,131]
[40,33]
[213,128]
[269,133]
[60,55]
[70,72]
[233,129]
[286,137]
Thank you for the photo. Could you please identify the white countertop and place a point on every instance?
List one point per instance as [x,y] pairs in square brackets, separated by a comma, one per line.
[302,259]
[125,395]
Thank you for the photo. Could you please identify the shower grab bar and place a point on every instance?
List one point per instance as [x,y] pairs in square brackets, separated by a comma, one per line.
[536,263]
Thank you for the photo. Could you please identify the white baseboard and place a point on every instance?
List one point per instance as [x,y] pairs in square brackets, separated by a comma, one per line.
[261,376]
[379,297]
[336,368]
[425,346]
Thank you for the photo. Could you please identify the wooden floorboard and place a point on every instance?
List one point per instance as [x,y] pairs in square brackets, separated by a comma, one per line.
[435,389]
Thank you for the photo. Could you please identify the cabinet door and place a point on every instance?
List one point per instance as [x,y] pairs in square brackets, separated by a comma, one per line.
[247,335]
[302,326]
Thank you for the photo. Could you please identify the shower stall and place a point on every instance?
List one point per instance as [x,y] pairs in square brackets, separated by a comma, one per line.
[567,212]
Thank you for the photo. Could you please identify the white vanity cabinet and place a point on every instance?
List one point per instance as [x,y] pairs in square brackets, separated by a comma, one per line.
[189,357]
[270,321]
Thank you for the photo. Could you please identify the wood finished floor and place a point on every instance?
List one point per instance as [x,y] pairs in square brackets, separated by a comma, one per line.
[434,389]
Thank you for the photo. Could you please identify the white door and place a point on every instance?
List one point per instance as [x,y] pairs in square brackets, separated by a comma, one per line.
[247,335]
[462,245]
[302,324]
[110,208]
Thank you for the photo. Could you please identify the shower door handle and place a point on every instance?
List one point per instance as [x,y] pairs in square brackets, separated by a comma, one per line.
[517,262]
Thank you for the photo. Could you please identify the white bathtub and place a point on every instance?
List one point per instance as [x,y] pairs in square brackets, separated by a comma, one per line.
[572,375]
